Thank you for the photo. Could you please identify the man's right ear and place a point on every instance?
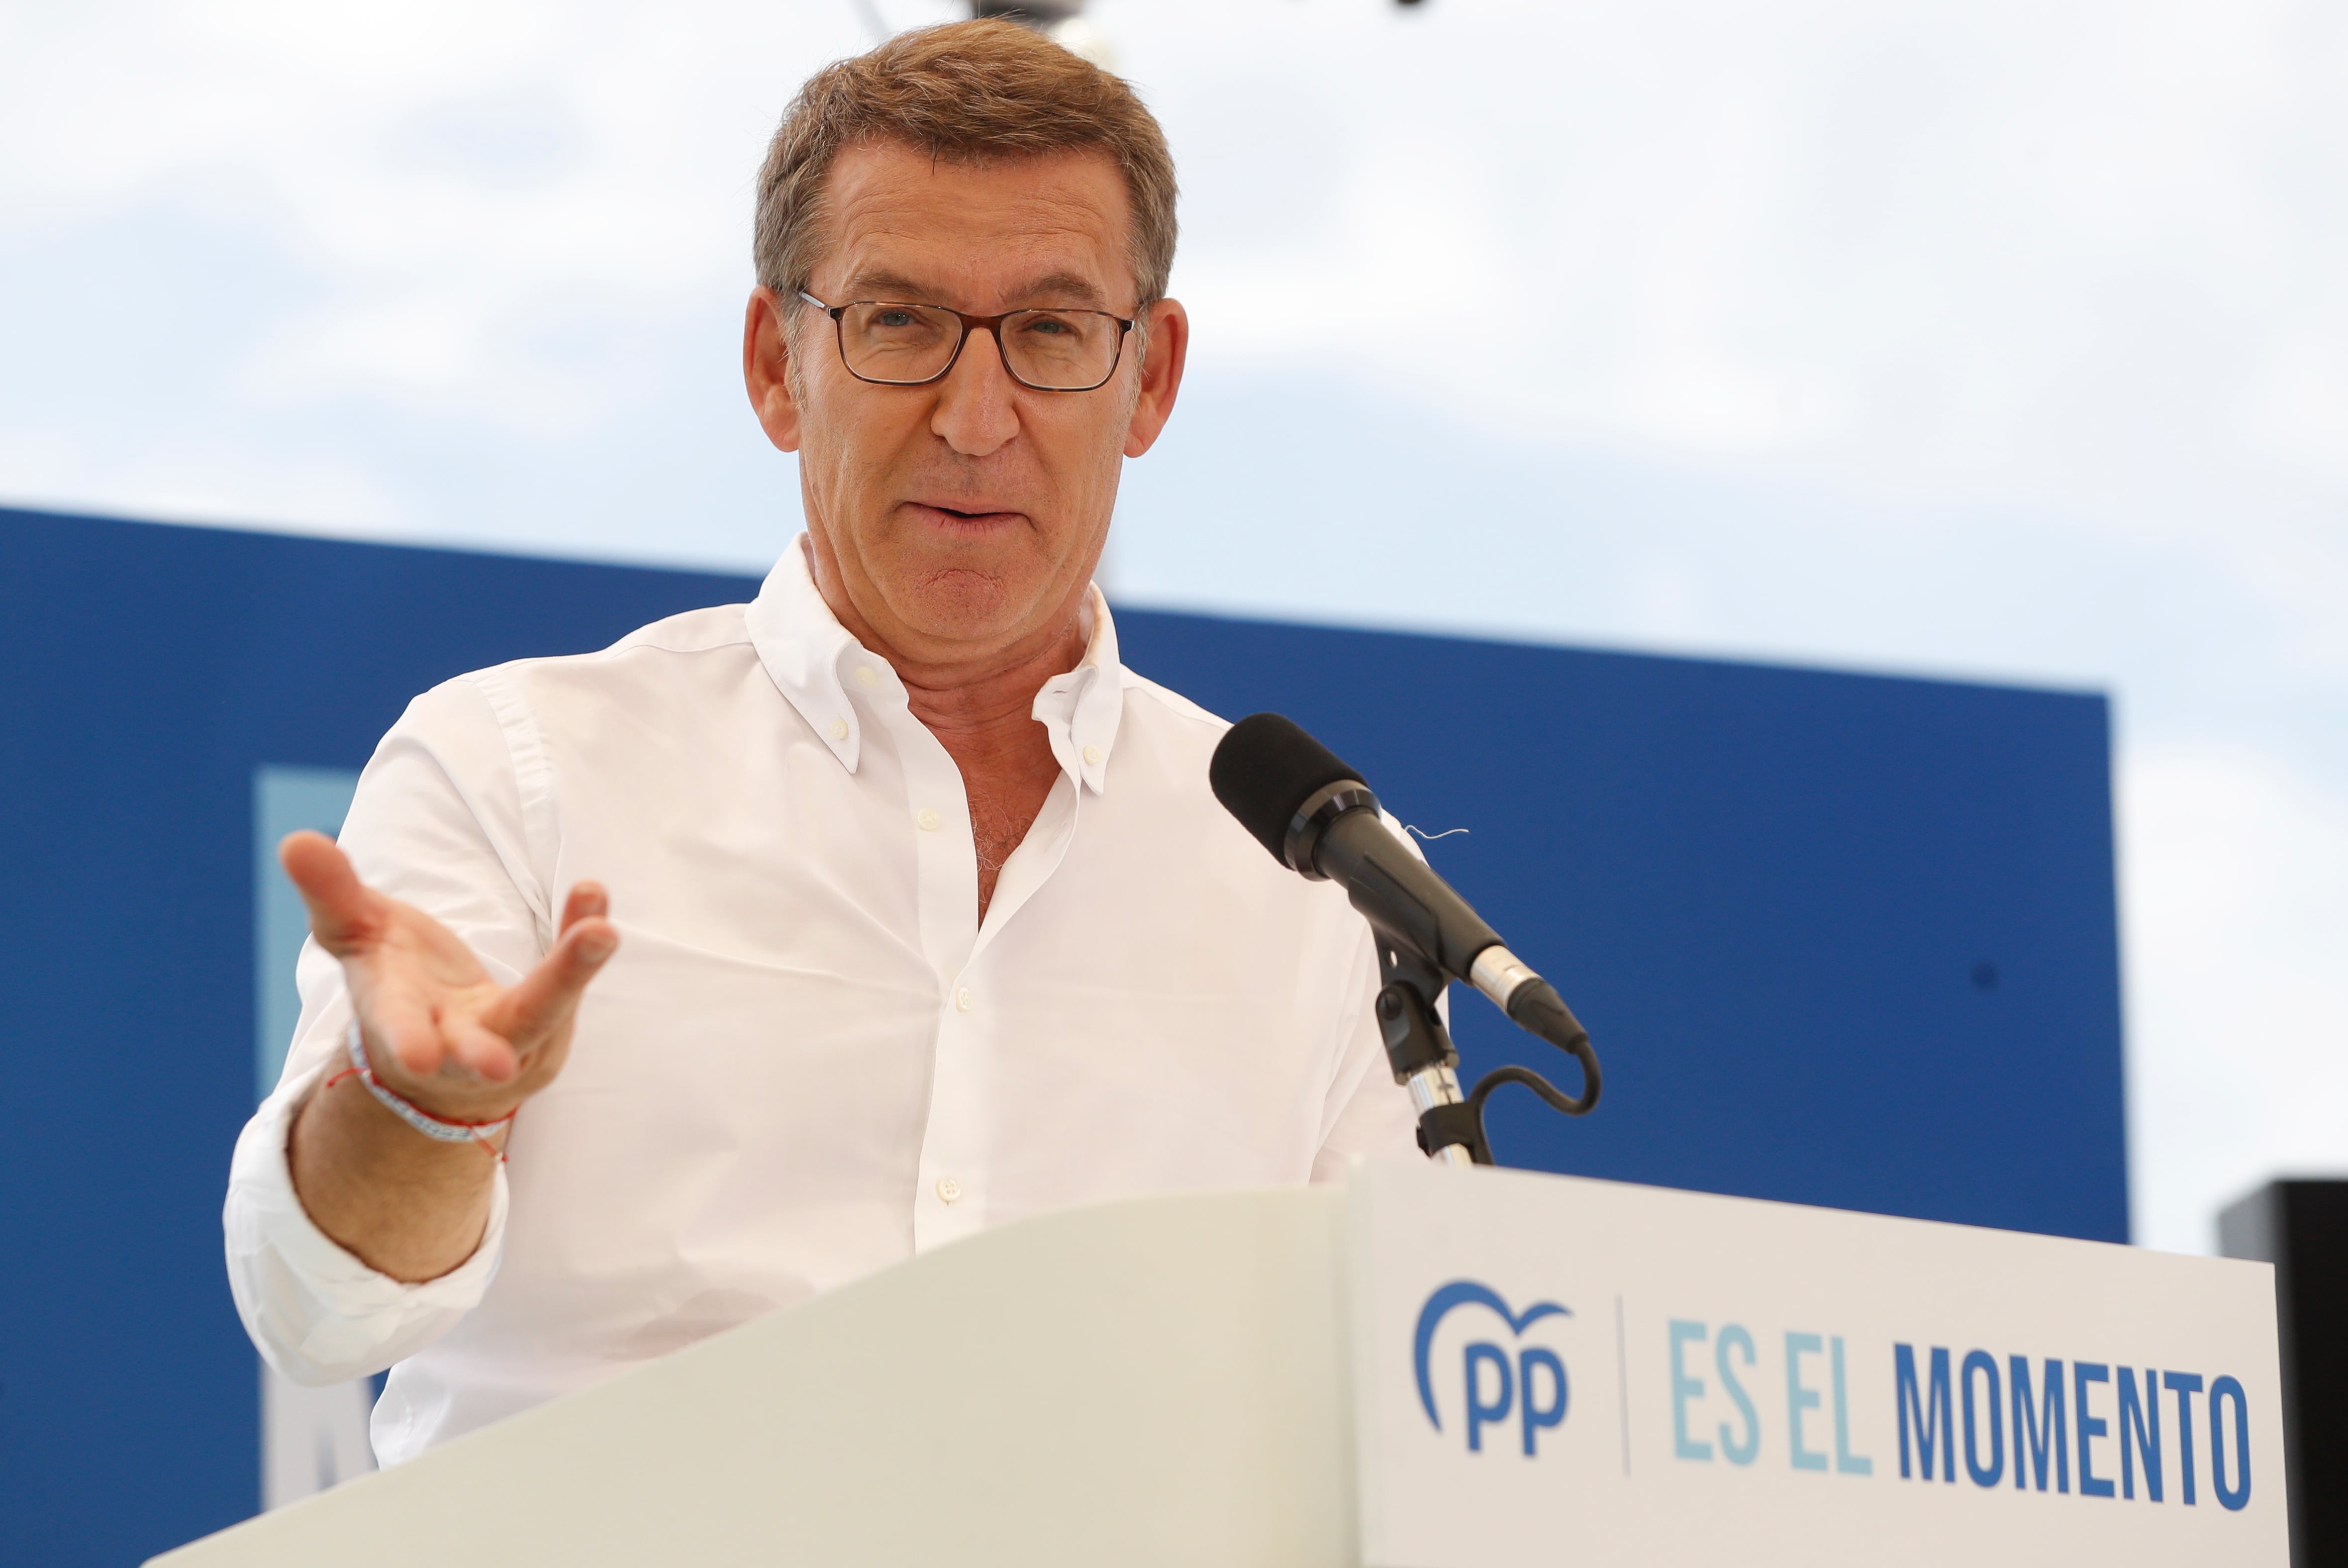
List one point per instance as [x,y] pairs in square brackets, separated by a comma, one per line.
[767,368]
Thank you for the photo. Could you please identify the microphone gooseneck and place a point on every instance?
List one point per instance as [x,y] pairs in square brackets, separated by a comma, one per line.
[1313,814]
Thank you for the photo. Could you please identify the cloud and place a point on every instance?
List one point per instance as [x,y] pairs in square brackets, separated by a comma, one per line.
[2236,923]
[1996,340]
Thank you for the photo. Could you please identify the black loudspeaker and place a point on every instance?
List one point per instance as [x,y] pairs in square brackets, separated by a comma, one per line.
[2301,1228]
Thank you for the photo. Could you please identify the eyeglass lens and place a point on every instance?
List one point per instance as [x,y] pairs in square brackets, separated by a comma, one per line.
[1057,350]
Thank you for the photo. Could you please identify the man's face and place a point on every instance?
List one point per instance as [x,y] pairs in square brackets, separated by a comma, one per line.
[960,520]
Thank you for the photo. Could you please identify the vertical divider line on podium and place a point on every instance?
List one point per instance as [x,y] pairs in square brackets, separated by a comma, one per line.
[1622,1381]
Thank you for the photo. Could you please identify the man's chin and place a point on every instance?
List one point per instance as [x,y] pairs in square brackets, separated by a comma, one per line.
[965,604]
[966,596]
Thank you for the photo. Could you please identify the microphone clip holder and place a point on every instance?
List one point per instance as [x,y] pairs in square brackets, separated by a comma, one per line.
[1425,1061]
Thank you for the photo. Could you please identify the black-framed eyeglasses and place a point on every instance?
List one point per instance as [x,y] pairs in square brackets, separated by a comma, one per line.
[892,343]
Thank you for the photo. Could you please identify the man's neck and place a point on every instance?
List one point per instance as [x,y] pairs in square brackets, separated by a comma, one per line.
[986,722]
[982,709]
[988,708]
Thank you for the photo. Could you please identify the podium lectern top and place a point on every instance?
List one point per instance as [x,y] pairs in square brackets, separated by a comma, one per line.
[1429,1368]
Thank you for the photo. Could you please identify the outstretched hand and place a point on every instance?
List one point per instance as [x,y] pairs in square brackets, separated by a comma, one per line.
[439,1030]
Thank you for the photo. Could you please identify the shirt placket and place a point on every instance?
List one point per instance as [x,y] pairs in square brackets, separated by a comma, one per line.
[950,1192]
[955,1175]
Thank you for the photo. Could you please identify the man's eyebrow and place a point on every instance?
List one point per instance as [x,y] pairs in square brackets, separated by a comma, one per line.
[887,286]
[1067,288]
[1063,285]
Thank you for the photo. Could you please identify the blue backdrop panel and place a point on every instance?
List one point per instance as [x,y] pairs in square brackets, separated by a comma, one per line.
[1841,939]
[145,674]
[1838,939]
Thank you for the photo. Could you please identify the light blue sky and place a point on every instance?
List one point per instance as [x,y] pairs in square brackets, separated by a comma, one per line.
[1989,339]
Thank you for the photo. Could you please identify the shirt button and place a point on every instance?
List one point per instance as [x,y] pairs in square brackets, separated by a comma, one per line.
[963,1002]
[1092,755]
[949,1190]
[864,676]
[840,729]
[927,818]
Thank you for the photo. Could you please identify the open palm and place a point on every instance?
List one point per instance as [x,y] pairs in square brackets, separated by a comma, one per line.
[437,1028]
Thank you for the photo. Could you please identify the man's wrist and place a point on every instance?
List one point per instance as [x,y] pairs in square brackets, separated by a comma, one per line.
[404,1205]
[487,1131]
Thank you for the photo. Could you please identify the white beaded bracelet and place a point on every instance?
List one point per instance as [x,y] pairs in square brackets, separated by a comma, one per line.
[432,1127]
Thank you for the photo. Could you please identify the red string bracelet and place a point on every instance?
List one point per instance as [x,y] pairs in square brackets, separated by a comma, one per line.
[438,1128]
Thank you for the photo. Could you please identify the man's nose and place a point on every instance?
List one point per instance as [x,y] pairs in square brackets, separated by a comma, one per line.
[977,411]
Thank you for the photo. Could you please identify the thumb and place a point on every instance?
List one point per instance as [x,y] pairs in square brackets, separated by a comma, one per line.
[344,913]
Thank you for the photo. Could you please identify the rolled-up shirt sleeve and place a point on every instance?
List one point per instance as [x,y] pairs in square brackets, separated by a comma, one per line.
[447,817]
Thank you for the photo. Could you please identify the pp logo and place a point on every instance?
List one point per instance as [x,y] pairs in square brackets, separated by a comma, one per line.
[1531,1383]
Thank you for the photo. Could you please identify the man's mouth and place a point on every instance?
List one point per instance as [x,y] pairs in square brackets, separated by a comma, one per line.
[957,519]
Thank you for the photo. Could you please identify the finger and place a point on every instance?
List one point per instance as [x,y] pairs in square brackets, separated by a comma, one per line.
[544,997]
[344,913]
[587,901]
[398,1020]
[480,1049]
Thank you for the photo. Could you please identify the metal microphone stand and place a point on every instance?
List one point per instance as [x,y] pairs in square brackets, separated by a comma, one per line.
[1426,1062]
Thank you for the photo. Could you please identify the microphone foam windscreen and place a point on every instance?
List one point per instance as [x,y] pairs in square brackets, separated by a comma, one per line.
[1266,768]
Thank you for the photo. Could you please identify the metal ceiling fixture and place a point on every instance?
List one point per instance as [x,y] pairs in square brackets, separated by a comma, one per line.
[1041,14]
[1059,20]
[1063,21]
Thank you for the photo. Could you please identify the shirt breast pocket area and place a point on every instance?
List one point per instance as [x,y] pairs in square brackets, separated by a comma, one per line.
[1227,1086]
[689,1044]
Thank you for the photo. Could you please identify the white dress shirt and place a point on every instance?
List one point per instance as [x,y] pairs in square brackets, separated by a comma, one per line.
[809,1058]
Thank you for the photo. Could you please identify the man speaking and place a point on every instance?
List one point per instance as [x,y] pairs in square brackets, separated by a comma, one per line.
[920,916]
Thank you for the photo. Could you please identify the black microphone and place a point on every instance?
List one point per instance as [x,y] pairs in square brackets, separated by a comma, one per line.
[1317,818]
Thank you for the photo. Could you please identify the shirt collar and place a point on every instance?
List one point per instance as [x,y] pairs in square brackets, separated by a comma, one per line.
[816,665]
[1080,709]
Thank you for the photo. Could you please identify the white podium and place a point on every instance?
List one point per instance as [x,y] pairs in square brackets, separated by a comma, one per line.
[1429,1368]
[1160,1381]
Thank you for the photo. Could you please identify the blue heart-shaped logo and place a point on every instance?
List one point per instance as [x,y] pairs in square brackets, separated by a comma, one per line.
[1467,1293]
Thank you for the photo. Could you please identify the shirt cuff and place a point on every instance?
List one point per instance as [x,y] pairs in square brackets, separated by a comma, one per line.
[315,1310]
